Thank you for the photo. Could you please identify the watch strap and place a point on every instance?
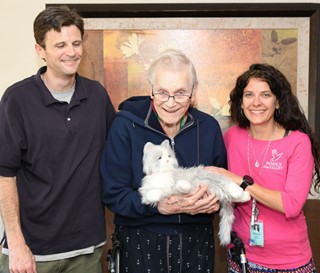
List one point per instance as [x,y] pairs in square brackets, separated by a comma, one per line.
[244,185]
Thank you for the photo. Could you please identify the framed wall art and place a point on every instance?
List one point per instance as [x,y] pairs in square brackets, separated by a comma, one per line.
[222,40]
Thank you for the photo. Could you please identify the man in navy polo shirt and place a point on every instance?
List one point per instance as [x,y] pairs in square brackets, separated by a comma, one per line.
[52,128]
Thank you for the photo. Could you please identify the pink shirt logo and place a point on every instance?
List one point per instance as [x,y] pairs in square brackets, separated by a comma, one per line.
[273,163]
[275,155]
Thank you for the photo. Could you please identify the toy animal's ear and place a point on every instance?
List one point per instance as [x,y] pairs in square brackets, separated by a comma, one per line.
[147,147]
[165,143]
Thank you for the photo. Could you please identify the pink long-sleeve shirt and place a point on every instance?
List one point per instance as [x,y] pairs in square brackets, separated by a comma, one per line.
[288,168]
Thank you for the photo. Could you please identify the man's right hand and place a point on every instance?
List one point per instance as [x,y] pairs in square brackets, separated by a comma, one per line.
[21,259]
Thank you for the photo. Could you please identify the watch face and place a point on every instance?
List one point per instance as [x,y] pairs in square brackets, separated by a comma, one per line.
[248,179]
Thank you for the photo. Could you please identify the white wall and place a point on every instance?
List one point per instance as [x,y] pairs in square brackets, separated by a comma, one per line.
[17,55]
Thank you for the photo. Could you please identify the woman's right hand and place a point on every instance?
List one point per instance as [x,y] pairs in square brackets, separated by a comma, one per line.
[231,176]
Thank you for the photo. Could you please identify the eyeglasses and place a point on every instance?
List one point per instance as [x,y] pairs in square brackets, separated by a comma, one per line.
[180,97]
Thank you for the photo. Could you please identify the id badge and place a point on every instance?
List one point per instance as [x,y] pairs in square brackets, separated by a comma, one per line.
[256,234]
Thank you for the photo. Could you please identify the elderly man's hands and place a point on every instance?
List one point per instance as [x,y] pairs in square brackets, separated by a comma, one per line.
[199,201]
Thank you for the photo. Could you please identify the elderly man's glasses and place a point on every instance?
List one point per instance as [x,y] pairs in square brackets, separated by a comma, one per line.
[180,96]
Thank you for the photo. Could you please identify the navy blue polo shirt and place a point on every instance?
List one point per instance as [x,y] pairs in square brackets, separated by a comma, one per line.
[53,148]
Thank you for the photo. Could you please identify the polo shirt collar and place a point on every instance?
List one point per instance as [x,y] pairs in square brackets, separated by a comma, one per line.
[80,91]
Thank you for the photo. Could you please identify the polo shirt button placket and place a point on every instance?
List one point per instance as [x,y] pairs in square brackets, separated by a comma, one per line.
[69,123]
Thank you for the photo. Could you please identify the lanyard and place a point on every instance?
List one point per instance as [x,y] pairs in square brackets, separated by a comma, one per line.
[254,212]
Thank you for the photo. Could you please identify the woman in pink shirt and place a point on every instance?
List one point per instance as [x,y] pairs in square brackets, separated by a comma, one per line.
[272,154]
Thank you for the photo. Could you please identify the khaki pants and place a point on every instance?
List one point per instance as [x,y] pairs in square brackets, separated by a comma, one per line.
[88,263]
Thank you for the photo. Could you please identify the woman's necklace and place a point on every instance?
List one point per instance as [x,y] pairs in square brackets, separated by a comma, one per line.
[257,164]
[265,151]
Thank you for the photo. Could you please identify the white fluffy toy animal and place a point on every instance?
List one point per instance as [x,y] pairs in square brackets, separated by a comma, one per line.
[164,178]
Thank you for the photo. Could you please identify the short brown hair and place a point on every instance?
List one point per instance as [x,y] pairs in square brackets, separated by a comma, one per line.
[55,17]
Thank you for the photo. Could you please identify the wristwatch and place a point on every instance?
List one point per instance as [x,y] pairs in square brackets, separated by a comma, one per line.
[246,181]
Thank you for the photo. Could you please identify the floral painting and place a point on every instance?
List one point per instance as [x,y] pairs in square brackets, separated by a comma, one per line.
[219,55]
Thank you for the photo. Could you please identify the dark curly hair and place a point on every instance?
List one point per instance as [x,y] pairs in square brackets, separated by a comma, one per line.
[55,17]
[289,115]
